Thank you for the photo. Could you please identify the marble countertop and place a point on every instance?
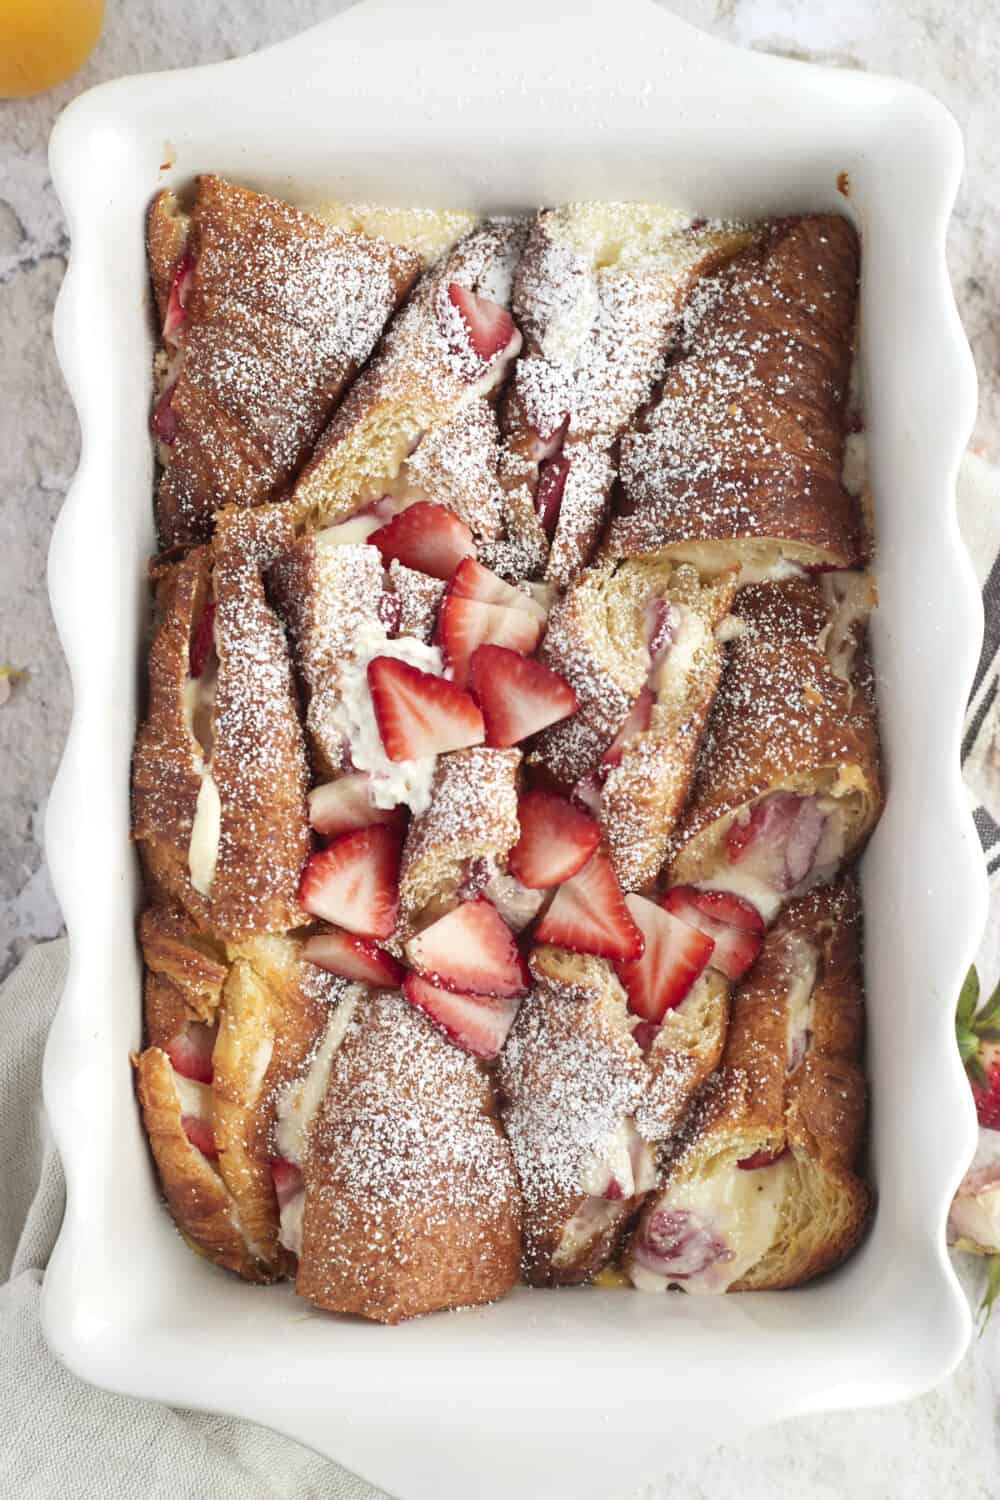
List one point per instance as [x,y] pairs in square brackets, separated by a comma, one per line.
[946,1443]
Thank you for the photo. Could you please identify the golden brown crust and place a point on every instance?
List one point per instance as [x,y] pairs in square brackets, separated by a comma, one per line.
[472,816]
[782,720]
[167,229]
[746,442]
[417,380]
[281,313]
[196,1194]
[411,1202]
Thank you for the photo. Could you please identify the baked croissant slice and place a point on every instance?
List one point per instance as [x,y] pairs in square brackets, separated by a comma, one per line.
[763,1191]
[788,785]
[740,461]
[410,1196]
[597,294]
[219,773]
[637,643]
[266,316]
[228,1026]
[450,347]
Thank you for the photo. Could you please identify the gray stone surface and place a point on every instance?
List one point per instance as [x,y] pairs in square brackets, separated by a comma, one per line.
[944,1444]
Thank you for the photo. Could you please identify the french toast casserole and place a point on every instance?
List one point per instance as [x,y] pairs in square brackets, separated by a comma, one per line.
[509,746]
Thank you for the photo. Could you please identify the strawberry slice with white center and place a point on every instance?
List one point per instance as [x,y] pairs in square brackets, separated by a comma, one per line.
[478,1023]
[736,927]
[778,841]
[345,805]
[180,291]
[518,695]
[636,722]
[556,841]
[473,581]
[673,957]
[287,1178]
[588,915]
[199,1133]
[466,624]
[549,494]
[470,948]
[425,536]
[420,714]
[354,882]
[354,958]
[489,326]
[190,1051]
[202,640]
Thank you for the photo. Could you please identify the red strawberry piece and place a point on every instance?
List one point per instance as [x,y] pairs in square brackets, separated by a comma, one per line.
[518,695]
[470,948]
[288,1180]
[987,1096]
[354,958]
[190,1051]
[636,722]
[199,1133]
[425,536]
[556,841]
[644,1034]
[489,326]
[465,624]
[541,447]
[354,882]
[344,805]
[202,641]
[661,627]
[180,290]
[588,915]
[473,581]
[164,419]
[479,1023]
[673,957]
[736,927]
[420,714]
[761,1159]
[549,494]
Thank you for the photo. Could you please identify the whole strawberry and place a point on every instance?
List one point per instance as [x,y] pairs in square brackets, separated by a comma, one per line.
[978,1033]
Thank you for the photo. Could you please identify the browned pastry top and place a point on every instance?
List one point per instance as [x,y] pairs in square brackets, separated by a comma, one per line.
[282,311]
[747,438]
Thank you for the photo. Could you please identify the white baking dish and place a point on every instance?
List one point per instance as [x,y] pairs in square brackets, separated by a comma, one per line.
[497,107]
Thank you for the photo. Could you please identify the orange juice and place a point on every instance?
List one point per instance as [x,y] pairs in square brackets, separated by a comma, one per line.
[44,41]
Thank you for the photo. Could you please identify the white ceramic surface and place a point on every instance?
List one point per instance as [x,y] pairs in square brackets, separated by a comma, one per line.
[564,1394]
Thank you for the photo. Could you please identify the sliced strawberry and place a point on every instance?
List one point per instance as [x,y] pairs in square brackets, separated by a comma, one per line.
[588,914]
[473,581]
[778,841]
[490,327]
[180,290]
[556,840]
[479,1023]
[425,536]
[549,494]
[419,714]
[164,419]
[518,696]
[465,624]
[202,640]
[288,1180]
[470,948]
[354,882]
[673,957]
[344,805]
[644,1034]
[354,958]
[636,722]
[736,927]
[199,1133]
[761,1159]
[662,620]
[190,1051]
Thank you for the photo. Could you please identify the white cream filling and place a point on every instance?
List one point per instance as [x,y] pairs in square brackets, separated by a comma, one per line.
[739,879]
[353,717]
[515,902]
[741,1209]
[800,960]
[194,1098]
[203,848]
[777,570]
[740,882]
[678,660]
[591,1219]
[290,1222]
[850,598]
[349,533]
[299,1100]
[854,474]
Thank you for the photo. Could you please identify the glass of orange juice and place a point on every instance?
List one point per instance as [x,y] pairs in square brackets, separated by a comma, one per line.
[44,41]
